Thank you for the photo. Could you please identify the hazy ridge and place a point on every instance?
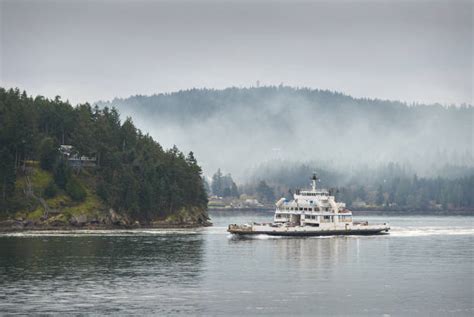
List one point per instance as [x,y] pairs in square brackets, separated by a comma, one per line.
[239,128]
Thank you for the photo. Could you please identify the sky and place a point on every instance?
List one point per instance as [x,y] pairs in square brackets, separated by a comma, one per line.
[414,51]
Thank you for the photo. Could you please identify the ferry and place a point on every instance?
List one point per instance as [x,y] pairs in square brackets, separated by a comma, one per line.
[313,212]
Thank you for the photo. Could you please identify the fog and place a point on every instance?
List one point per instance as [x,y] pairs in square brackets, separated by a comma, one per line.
[239,129]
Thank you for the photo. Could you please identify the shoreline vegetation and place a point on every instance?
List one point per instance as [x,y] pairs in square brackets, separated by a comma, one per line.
[71,167]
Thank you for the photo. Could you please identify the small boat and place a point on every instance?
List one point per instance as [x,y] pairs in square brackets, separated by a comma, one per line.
[313,212]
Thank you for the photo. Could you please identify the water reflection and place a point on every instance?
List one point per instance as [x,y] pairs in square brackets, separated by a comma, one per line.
[97,271]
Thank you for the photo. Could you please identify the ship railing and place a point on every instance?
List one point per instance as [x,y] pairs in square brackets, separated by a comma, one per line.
[344,211]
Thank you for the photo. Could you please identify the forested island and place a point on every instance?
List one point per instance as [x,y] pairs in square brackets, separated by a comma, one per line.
[63,166]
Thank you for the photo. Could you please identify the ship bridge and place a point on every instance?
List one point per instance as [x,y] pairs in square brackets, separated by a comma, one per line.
[312,207]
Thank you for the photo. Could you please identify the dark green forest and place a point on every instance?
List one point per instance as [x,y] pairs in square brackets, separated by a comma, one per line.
[133,175]
[389,186]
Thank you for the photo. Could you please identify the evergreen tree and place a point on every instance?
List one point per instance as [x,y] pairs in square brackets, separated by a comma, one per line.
[48,153]
[264,192]
[380,197]
[216,185]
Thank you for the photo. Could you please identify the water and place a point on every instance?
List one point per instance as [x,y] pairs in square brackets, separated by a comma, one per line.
[424,267]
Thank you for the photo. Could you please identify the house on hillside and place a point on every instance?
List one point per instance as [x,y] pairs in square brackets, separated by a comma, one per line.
[74,158]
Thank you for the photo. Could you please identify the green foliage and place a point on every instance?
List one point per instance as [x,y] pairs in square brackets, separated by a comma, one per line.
[264,192]
[48,153]
[51,190]
[75,190]
[134,175]
[62,174]
[7,178]
[36,214]
[224,185]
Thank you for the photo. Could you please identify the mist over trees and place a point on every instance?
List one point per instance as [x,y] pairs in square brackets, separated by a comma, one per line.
[239,128]
[391,186]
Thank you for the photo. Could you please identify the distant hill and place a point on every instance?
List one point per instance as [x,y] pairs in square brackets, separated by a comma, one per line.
[239,128]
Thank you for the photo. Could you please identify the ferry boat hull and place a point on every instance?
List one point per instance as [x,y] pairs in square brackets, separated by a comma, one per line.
[305,231]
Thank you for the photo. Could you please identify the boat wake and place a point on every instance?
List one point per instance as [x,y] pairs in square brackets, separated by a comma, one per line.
[396,231]
[114,232]
[254,237]
[430,231]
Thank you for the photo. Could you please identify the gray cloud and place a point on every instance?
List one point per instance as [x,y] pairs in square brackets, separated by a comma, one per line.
[90,50]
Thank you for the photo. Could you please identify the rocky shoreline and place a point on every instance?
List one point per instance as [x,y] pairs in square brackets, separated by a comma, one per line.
[21,228]
[110,221]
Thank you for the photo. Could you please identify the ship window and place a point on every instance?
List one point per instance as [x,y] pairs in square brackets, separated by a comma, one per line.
[301,208]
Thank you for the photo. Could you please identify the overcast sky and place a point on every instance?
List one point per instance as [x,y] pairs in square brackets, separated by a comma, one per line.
[90,50]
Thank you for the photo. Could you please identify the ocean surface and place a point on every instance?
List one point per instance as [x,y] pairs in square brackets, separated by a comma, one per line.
[424,267]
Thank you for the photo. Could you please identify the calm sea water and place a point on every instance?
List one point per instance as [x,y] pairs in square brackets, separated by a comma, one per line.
[424,267]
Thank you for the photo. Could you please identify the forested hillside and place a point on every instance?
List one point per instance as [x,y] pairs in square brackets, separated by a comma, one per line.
[131,173]
[386,187]
[239,128]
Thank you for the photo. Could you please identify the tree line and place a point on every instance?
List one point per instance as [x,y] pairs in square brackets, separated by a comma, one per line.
[413,193]
[388,186]
[134,174]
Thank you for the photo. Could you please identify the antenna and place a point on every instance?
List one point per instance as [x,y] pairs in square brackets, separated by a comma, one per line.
[314,180]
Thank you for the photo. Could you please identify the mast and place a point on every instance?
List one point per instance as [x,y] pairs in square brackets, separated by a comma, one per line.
[314,179]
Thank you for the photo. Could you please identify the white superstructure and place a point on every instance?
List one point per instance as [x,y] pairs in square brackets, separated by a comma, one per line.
[317,208]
